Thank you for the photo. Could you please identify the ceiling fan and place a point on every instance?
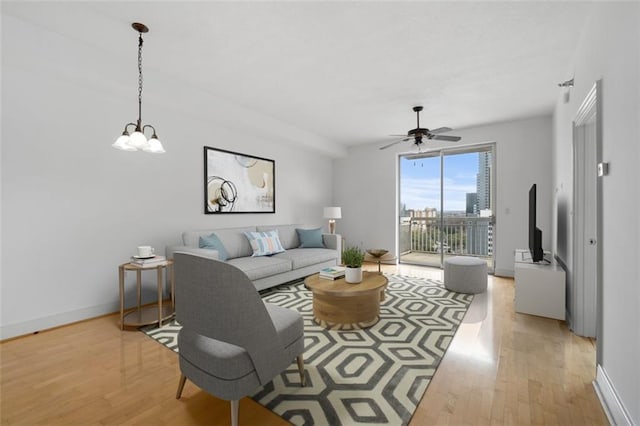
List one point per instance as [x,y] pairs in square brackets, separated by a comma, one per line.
[418,133]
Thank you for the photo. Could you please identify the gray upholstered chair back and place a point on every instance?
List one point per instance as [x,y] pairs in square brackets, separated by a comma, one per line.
[217,300]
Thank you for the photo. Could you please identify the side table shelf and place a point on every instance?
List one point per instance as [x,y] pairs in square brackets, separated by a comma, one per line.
[150,314]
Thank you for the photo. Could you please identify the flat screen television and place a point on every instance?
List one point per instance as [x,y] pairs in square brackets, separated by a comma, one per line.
[535,234]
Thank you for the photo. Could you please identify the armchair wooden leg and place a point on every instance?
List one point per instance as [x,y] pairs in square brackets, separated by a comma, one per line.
[183,380]
[235,406]
[303,378]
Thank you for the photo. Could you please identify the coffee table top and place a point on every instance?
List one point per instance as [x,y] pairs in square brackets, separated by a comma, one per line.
[371,281]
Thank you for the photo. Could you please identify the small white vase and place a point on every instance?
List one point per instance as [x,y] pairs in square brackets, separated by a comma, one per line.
[353,275]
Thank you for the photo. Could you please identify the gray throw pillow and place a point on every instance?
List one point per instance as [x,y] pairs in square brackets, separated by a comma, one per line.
[310,238]
[212,242]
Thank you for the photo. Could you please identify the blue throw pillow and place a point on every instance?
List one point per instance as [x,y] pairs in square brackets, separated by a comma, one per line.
[310,238]
[264,243]
[212,242]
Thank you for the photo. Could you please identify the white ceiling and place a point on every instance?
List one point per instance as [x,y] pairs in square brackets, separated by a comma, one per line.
[346,73]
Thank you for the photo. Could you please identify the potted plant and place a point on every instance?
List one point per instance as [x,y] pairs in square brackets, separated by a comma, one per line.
[352,258]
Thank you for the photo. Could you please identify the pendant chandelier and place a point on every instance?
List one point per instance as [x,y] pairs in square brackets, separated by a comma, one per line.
[137,141]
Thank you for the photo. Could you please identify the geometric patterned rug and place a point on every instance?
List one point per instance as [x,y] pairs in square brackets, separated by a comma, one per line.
[361,376]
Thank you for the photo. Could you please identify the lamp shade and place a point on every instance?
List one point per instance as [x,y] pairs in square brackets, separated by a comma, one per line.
[155,146]
[332,213]
[123,143]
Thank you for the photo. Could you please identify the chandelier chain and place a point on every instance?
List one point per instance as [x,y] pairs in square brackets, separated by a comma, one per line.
[140,80]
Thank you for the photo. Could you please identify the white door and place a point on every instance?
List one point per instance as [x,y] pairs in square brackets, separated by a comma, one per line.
[583,290]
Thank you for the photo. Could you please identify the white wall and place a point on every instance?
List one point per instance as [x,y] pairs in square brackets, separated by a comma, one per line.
[73,208]
[610,50]
[366,187]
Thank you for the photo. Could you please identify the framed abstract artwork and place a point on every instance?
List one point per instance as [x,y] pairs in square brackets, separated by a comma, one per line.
[238,183]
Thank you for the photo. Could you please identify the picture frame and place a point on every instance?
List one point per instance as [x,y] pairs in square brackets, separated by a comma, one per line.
[238,183]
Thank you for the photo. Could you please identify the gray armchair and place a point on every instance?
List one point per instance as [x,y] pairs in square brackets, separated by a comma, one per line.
[231,342]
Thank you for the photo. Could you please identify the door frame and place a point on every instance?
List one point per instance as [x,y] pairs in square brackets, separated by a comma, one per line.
[582,317]
[440,152]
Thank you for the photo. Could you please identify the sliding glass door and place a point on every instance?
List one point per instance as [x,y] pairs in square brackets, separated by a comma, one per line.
[446,205]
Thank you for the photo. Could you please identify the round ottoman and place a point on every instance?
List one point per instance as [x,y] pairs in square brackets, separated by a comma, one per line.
[464,274]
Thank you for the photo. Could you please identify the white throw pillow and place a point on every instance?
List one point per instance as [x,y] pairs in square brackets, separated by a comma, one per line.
[264,243]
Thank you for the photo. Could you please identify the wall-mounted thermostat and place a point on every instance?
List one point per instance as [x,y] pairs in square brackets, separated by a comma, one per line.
[603,169]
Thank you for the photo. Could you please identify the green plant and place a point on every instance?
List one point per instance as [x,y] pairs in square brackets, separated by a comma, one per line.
[352,257]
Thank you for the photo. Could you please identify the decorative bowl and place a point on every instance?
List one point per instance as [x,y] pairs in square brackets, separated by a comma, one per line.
[377,252]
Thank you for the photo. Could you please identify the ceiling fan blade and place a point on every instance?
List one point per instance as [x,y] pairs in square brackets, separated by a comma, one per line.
[440,130]
[401,136]
[446,138]
[394,143]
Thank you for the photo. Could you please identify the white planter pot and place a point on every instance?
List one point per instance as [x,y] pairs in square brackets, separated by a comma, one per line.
[353,275]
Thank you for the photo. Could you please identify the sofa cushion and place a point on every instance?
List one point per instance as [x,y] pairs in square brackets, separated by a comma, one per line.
[287,234]
[264,243]
[233,239]
[213,242]
[310,238]
[301,257]
[288,322]
[198,349]
[260,267]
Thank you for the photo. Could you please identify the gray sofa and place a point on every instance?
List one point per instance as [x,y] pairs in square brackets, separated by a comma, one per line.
[266,271]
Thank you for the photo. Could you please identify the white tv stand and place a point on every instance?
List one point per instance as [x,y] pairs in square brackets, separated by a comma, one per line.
[540,286]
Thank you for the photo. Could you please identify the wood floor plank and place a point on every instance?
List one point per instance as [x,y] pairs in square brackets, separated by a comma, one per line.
[502,368]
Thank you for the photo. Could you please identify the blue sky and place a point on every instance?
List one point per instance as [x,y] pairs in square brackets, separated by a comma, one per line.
[420,181]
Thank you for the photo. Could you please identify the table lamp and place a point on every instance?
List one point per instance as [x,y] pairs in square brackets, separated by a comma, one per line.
[332,213]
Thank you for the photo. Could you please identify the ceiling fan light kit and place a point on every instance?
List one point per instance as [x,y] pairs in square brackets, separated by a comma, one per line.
[419,133]
[137,141]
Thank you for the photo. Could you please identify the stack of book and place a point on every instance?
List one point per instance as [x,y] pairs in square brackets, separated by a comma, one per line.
[147,262]
[332,273]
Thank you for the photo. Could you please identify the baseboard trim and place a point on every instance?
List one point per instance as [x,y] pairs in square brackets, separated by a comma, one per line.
[52,321]
[504,273]
[611,404]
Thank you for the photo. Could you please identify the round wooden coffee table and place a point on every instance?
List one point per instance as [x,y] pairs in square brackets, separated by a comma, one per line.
[339,302]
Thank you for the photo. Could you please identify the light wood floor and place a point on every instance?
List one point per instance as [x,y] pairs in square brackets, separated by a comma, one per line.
[501,368]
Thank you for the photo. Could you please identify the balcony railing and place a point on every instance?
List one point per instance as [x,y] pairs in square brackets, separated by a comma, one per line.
[455,235]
